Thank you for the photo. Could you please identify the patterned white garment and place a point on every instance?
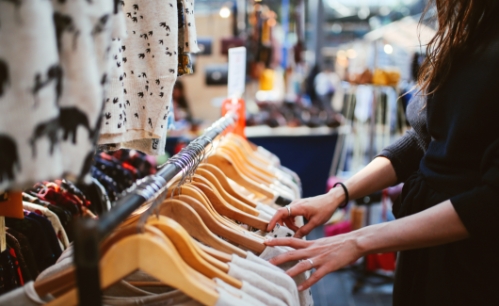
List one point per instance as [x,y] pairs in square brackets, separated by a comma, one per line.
[305,296]
[53,58]
[149,60]
[190,33]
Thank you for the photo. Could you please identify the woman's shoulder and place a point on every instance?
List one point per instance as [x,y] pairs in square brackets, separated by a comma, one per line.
[416,114]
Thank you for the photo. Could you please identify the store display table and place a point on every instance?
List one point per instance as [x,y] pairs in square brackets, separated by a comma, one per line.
[307,151]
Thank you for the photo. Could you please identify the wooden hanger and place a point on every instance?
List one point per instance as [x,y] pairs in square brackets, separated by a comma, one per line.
[194,192]
[225,208]
[247,147]
[62,282]
[243,167]
[193,188]
[236,236]
[144,252]
[222,179]
[247,161]
[256,173]
[226,198]
[226,195]
[188,217]
[263,155]
[132,229]
[224,163]
[182,233]
[250,157]
[267,178]
[190,252]
[223,257]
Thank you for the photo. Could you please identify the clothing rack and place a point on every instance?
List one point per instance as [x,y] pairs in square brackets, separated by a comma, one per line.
[90,232]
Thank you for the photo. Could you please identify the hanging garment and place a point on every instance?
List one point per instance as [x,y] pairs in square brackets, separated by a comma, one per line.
[149,59]
[271,252]
[26,252]
[9,278]
[23,296]
[14,244]
[53,59]
[262,283]
[54,220]
[176,297]
[274,274]
[151,146]
[249,293]
[38,240]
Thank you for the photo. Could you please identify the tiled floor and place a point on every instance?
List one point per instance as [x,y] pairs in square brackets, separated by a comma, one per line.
[335,289]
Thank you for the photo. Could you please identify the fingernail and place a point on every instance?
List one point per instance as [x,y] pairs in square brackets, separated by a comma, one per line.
[300,288]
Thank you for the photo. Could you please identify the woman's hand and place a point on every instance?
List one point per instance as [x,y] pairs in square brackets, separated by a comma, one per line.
[316,210]
[421,230]
[327,255]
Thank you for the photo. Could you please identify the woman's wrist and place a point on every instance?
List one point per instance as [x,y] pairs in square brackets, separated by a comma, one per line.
[337,196]
[361,241]
[370,239]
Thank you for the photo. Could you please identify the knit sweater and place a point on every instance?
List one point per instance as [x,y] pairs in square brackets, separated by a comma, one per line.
[456,147]
[53,62]
[149,59]
[115,132]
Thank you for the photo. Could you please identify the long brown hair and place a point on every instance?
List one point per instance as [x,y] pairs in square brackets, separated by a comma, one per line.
[463,25]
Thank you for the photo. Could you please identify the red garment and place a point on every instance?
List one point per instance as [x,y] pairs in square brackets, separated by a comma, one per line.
[17,266]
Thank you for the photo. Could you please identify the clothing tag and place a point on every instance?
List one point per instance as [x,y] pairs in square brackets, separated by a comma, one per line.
[3,235]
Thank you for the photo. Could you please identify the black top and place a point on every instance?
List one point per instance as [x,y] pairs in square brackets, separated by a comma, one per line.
[454,142]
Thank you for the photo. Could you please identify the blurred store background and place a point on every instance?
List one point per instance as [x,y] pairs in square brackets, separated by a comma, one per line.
[327,85]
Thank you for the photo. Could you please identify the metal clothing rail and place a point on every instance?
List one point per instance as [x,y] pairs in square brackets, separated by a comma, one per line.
[90,232]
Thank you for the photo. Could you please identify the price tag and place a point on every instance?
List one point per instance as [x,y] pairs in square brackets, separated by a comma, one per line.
[237,72]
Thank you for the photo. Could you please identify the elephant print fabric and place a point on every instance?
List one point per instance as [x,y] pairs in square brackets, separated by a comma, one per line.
[54,56]
[146,67]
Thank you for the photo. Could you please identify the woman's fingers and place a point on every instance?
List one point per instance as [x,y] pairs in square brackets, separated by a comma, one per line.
[304,230]
[290,256]
[301,267]
[291,242]
[290,223]
[279,216]
[314,278]
[295,209]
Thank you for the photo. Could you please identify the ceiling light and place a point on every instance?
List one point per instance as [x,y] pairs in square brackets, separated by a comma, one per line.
[388,49]
[225,12]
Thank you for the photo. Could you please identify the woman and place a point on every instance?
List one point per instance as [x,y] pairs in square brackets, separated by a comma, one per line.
[448,217]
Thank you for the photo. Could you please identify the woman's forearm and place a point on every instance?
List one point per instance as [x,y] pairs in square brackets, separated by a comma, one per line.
[377,175]
[437,225]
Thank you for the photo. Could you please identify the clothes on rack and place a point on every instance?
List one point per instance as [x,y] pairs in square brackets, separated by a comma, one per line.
[116,172]
[210,231]
[36,239]
[69,67]
[53,63]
